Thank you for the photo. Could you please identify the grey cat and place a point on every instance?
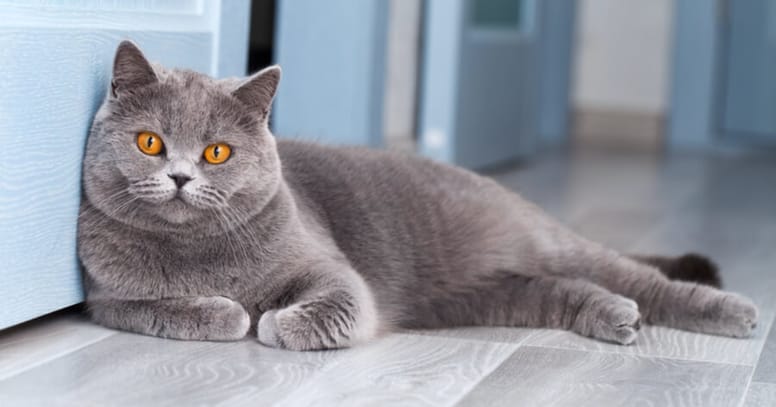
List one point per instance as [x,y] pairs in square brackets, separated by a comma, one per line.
[197,224]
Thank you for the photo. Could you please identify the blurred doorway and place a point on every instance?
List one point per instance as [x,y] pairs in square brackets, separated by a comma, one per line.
[480,81]
[749,82]
[491,71]
[262,34]
[723,91]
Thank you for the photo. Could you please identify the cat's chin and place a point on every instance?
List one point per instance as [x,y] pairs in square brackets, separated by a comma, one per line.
[176,219]
[177,211]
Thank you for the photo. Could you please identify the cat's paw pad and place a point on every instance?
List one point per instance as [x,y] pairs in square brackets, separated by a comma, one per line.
[617,319]
[735,316]
[223,319]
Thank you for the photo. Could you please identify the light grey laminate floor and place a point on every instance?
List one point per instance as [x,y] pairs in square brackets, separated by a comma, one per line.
[723,205]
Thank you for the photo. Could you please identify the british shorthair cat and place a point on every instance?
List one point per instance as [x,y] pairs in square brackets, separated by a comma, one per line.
[196,223]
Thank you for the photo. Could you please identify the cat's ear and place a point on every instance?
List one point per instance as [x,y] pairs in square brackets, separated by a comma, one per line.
[259,90]
[131,69]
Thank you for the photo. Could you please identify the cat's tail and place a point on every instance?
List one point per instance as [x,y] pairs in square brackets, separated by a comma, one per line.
[688,267]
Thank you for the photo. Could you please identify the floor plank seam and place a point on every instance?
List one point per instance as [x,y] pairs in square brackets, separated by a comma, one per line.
[754,368]
[532,334]
[56,356]
[334,364]
[487,374]
[641,355]
[486,340]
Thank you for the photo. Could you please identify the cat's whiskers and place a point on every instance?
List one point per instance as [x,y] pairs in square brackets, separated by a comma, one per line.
[204,199]
[246,239]
[211,194]
[122,205]
[109,198]
[111,205]
[238,250]
[114,211]
[226,226]
[235,233]
[242,227]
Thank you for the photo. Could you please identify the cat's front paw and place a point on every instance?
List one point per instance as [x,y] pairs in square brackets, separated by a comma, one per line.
[222,319]
[280,329]
[615,319]
[298,328]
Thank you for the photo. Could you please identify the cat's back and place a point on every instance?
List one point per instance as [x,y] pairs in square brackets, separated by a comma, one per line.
[326,171]
[389,208]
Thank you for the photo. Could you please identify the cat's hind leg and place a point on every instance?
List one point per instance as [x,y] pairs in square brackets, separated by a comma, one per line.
[662,301]
[507,299]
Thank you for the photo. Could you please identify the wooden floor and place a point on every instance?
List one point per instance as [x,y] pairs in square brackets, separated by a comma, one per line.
[724,206]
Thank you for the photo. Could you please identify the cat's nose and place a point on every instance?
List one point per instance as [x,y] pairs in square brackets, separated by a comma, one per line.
[180,179]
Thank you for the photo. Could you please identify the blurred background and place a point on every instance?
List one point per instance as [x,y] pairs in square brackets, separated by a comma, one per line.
[483,82]
[648,125]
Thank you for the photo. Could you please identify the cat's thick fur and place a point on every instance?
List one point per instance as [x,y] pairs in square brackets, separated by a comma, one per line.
[313,247]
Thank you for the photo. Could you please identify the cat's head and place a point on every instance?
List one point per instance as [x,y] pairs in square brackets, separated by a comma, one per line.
[173,149]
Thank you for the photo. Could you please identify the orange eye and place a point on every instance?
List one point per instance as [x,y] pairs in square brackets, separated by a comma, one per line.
[149,143]
[217,153]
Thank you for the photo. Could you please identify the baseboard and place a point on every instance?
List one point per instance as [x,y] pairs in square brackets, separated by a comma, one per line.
[609,128]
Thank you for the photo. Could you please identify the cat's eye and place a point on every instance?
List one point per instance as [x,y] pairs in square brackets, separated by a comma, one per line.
[217,153]
[149,143]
